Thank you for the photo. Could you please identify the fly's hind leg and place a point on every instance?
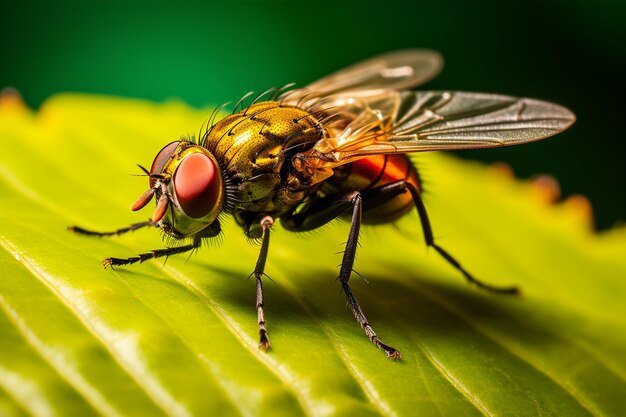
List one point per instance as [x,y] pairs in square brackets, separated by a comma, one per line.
[322,212]
[400,187]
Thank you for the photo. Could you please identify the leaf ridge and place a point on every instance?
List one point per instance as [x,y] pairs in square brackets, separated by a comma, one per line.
[187,346]
[271,364]
[14,399]
[575,394]
[427,385]
[32,195]
[371,394]
[171,407]
[583,345]
[91,396]
[472,399]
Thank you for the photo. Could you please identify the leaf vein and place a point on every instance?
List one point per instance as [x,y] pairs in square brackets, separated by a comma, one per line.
[574,393]
[15,399]
[169,407]
[462,389]
[270,363]
[89,393]
[187,346]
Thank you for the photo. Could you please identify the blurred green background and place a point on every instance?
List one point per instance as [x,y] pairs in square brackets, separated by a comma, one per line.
[209,53]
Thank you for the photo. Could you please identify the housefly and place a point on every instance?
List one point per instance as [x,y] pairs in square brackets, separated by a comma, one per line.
[334,149]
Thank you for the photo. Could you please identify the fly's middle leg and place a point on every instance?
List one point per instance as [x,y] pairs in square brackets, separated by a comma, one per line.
[322,212]
[266,224]
[346,270]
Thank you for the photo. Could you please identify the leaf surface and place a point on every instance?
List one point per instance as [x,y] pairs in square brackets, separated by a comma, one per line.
[180,339]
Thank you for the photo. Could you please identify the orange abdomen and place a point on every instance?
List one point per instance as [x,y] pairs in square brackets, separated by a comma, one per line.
[376,171]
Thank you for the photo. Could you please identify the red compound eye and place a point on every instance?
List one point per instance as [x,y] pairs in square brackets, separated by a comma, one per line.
[161,159]
[197,185]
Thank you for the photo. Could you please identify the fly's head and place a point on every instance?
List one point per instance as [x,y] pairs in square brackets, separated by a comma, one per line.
[189,188]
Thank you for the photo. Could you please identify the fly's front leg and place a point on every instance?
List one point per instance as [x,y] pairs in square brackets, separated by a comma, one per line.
[156,253]
[212,230]
[266,224]
[322,212]
[133,259]
[120,231]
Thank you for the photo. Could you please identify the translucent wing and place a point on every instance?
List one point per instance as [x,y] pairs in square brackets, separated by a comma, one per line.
[398,70]
[387,122]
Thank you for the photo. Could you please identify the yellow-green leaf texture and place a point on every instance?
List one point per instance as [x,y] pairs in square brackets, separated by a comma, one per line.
[180,339]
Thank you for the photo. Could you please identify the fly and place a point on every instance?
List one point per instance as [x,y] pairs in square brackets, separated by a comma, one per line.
[334,149]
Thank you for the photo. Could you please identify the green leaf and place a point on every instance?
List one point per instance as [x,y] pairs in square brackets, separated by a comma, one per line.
[180,339]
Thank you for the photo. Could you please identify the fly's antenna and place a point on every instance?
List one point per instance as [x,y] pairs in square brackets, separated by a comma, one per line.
[161,208]
[145,171]
[245,96]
